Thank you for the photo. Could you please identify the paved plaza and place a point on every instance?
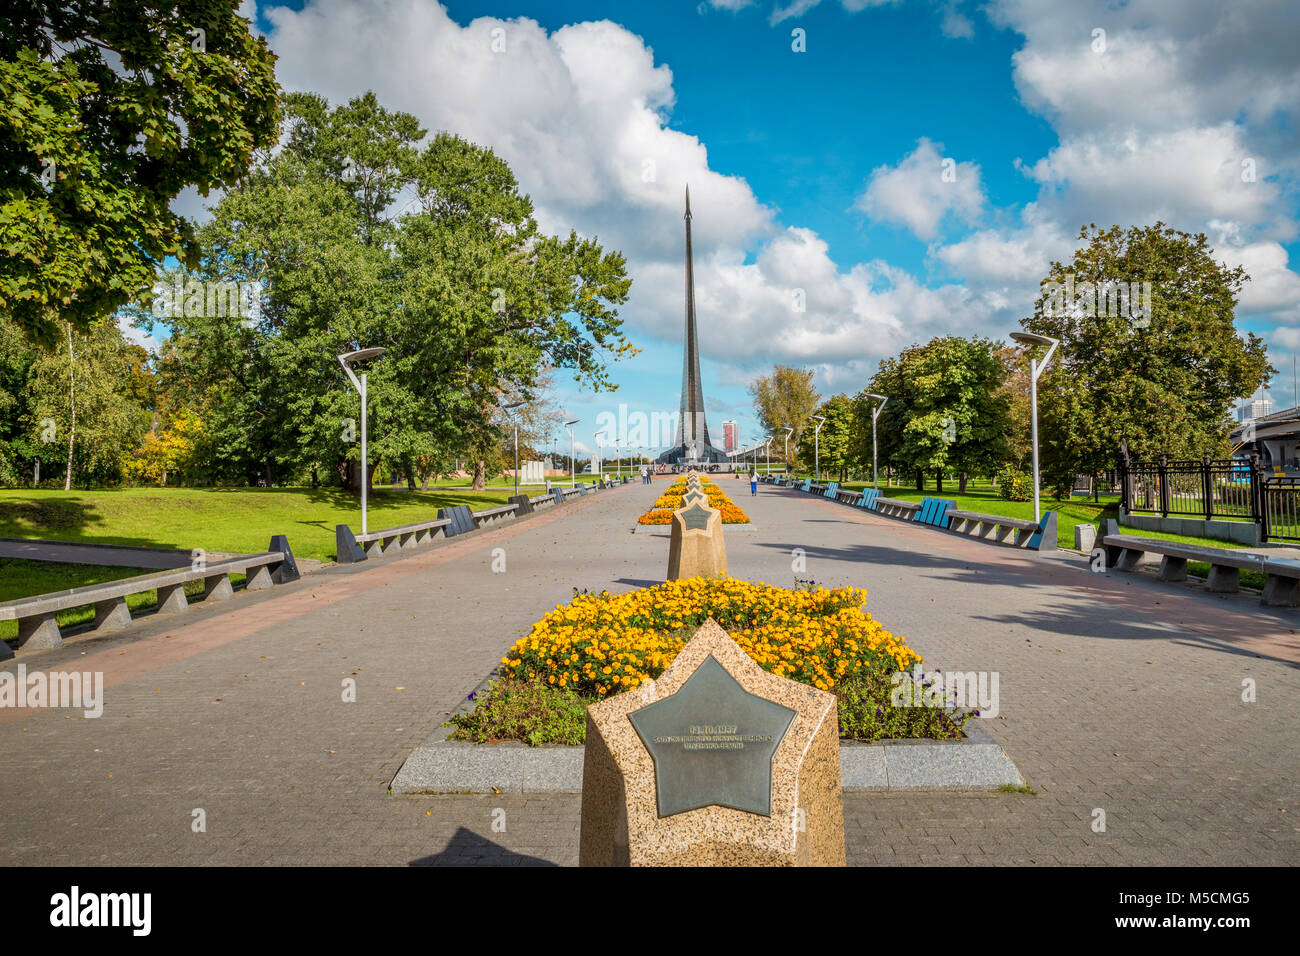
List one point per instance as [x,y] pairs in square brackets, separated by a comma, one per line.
[1117,693]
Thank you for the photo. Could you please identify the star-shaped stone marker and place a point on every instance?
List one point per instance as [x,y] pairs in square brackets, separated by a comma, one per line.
[696,517]
[712,743]
[694,496]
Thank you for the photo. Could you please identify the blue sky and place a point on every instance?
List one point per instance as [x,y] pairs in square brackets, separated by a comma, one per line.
[819,170]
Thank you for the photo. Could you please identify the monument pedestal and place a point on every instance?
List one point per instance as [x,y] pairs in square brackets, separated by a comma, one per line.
[696,547]
[717,763]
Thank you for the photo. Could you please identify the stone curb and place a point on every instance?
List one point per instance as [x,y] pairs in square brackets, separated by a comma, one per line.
[440,765]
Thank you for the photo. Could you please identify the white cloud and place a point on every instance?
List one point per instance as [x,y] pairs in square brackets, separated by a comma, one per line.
[1018,256]
[923,189]
[1184,177]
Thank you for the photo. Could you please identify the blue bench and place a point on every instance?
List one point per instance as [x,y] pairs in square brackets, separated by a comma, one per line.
[868,499]
[831,488]
[934,511]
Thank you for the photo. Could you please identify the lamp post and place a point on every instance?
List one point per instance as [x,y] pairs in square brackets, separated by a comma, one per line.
[359,356]
[573,448]
[767,456]
[1035,370]
[817,448]
[600,445]
[618,460]
[788,432]
[875,413]
[515,424]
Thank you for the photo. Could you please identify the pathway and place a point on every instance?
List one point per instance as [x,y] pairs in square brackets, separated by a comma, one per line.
[1117,693]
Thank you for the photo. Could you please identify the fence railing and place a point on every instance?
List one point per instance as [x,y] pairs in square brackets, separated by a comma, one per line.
[1224,488]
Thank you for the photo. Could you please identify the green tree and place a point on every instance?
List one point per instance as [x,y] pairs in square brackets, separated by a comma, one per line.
[77,401]
[785,399]
[360,238]
[1163,380]
[107,112]
[945,411]
[833,447]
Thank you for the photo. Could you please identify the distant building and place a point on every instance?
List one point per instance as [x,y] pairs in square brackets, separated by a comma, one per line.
[1252,411]
[728,436]
[1274,437]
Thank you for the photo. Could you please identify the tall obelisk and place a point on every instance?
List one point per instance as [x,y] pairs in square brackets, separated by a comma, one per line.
[692,444]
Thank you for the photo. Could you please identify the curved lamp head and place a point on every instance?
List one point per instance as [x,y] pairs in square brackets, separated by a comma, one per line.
[347,359]
[362,355]
[1031,338]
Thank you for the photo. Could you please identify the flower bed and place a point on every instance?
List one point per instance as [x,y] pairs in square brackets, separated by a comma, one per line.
[671,500]
[602,644]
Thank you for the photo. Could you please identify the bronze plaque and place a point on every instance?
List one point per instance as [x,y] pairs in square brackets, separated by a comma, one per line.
[713,743]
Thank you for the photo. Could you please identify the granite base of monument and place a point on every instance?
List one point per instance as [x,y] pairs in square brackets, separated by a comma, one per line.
[696,547]
[716,763]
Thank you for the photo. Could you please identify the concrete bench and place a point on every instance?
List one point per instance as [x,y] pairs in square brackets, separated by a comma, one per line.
[541,501]
[38,626]
[493,515]
[350,548]
[1282,575]
[897,508]
[1037,536]
[847,496]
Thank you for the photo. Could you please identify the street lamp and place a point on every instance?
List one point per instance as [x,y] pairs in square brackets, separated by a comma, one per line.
[359,356]
[767,456]
[600,445]
[788,432]
[1035,370]
[573,456]
[515,424]
[817,448]
[875,413]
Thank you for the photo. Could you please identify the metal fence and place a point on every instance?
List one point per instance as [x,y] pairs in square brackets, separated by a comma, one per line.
[1225,488]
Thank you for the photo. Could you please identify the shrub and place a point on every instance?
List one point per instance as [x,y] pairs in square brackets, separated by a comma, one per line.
[1014,485]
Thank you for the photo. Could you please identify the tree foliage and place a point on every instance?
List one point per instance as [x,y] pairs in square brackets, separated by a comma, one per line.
[1165,382]
[785,399]
[107,112]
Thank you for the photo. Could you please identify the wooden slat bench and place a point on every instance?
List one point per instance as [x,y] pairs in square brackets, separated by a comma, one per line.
[1282,575]
[1038,536]
[934,511]
[868,499]
[38,626]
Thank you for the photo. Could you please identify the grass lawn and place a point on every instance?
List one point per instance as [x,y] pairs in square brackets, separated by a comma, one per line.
[981,497]
[233,520]
[20,578]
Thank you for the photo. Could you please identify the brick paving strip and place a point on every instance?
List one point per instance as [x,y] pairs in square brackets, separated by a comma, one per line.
[1117,693]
